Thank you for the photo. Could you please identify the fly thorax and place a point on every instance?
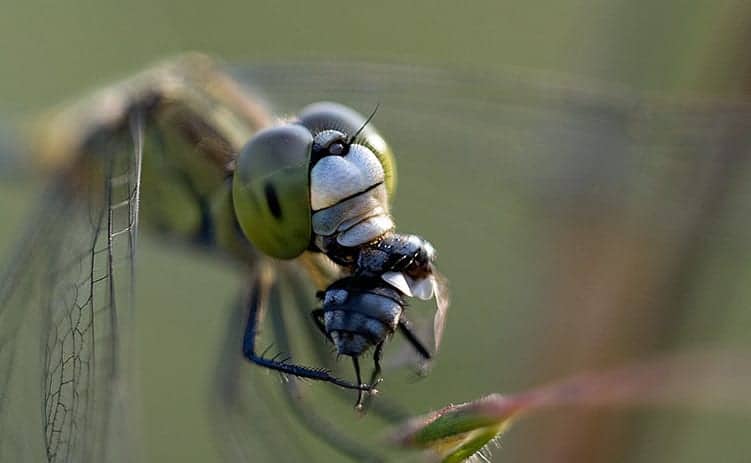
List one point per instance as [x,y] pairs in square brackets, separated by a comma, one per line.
[403,261]
[358,315]
[349,198]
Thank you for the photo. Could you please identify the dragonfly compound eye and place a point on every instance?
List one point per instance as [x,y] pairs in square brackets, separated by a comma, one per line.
[270,190]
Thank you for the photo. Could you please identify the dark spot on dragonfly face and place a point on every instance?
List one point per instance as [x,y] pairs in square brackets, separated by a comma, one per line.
[272,200]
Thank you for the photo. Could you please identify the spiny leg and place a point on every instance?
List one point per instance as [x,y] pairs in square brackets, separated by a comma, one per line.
[301,407]
[256,306]
[242,406]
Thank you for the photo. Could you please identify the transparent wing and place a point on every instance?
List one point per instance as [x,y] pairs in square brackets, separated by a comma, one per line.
[66,297]
[442,302]
[65,309]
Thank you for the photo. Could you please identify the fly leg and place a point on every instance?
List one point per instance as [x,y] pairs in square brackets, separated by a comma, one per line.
[375,377]
[405,327]
[256,306]
[360,395]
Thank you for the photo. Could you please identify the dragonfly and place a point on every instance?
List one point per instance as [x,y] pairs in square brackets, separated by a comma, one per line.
[313,188]
[191,152]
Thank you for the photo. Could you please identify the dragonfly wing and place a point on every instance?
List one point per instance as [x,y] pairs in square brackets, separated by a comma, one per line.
[70,287]
[71,282]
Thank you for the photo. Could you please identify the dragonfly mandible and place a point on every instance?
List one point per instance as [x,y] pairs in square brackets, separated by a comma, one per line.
[313,188]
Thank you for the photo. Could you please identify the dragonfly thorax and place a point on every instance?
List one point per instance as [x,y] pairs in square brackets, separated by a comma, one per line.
[360,311]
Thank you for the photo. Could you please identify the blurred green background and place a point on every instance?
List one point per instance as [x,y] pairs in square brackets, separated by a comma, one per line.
[578,228]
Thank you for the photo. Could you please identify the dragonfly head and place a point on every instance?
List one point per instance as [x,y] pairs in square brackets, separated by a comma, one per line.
[326,174]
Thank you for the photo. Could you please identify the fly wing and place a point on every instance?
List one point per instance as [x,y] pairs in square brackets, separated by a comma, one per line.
[442,302]
[65,308]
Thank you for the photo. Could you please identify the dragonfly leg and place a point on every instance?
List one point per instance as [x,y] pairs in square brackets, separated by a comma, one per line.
[303,408]
[256,305]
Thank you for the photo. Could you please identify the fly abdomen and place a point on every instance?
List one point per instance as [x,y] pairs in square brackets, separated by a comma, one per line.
[357,314]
